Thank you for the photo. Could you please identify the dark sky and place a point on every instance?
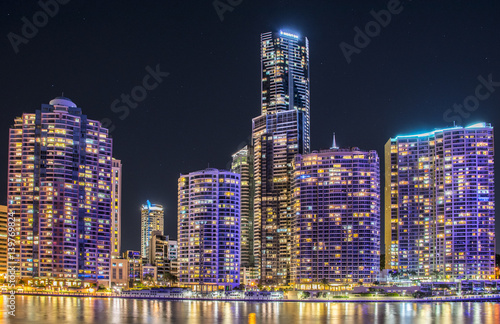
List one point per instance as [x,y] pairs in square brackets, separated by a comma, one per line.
[427,58]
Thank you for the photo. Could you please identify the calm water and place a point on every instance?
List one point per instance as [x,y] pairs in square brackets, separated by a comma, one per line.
[60,310]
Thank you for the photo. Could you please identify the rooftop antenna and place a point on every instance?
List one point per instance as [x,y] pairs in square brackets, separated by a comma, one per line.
[334,143]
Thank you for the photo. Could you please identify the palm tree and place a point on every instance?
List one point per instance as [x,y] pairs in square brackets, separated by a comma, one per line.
[324,282]
[148,278]
[171,278]
[436,274]
[394,274]
[412,273]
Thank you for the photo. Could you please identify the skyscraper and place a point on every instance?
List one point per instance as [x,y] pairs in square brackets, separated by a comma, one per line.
[285,77]
[209,229]
[152,218]
[116,194]
[281,132]
[336,228]
[59,190]
[243,165]
[440,203]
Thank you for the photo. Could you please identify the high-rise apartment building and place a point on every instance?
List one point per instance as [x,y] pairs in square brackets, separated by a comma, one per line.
[3,240]
[116,194]
[336,227]
[59,190]
[161,254]
[209,229]
[243,165]
[440,203]
[152,218]
[281,132]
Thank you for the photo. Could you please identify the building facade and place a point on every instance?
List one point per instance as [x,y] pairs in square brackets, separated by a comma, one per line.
[161,254]
[152,219]
[285,76]
[134,261]
[243,165]
[149,274]
[116,194]
[3,240]
[440,203]
[119,277]
[172,250]
[336,202]
[209,230]
[59,190]
[278,134]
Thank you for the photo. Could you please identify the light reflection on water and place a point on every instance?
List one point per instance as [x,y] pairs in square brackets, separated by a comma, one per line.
[61,310]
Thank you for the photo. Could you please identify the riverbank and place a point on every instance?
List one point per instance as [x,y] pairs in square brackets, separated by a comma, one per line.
[487,298]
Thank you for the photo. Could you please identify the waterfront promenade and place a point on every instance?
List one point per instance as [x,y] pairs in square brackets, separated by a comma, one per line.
[354,299]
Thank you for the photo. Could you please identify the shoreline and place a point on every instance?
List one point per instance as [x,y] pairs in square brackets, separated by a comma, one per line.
[492,298]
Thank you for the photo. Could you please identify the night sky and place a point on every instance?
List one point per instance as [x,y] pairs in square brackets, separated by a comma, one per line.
[427,58]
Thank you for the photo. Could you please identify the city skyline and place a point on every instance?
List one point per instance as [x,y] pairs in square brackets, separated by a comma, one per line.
[394,85]
[249,161]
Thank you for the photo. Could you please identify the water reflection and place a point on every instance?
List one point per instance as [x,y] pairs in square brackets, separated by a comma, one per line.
[59,310]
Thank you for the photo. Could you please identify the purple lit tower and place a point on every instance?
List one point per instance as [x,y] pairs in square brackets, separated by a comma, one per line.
[336,226]
[59,189]
[208,229]
[440,203]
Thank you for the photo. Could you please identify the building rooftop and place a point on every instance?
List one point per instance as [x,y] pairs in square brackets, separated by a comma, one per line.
[62,101]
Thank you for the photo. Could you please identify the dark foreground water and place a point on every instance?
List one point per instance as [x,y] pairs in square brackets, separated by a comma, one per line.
[68,310]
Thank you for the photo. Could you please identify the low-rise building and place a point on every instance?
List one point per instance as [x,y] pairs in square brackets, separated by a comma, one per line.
[149,274]
[119,277]
[249,276]
[480,286]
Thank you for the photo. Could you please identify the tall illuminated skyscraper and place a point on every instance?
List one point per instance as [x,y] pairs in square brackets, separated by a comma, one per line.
[285,77]
[243,165]
[116,194]
[440,203]
[208,230]
[281,132]
[59,189]
[336,228]
[152,219]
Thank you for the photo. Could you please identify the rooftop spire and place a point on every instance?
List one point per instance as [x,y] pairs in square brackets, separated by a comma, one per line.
[334,143]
